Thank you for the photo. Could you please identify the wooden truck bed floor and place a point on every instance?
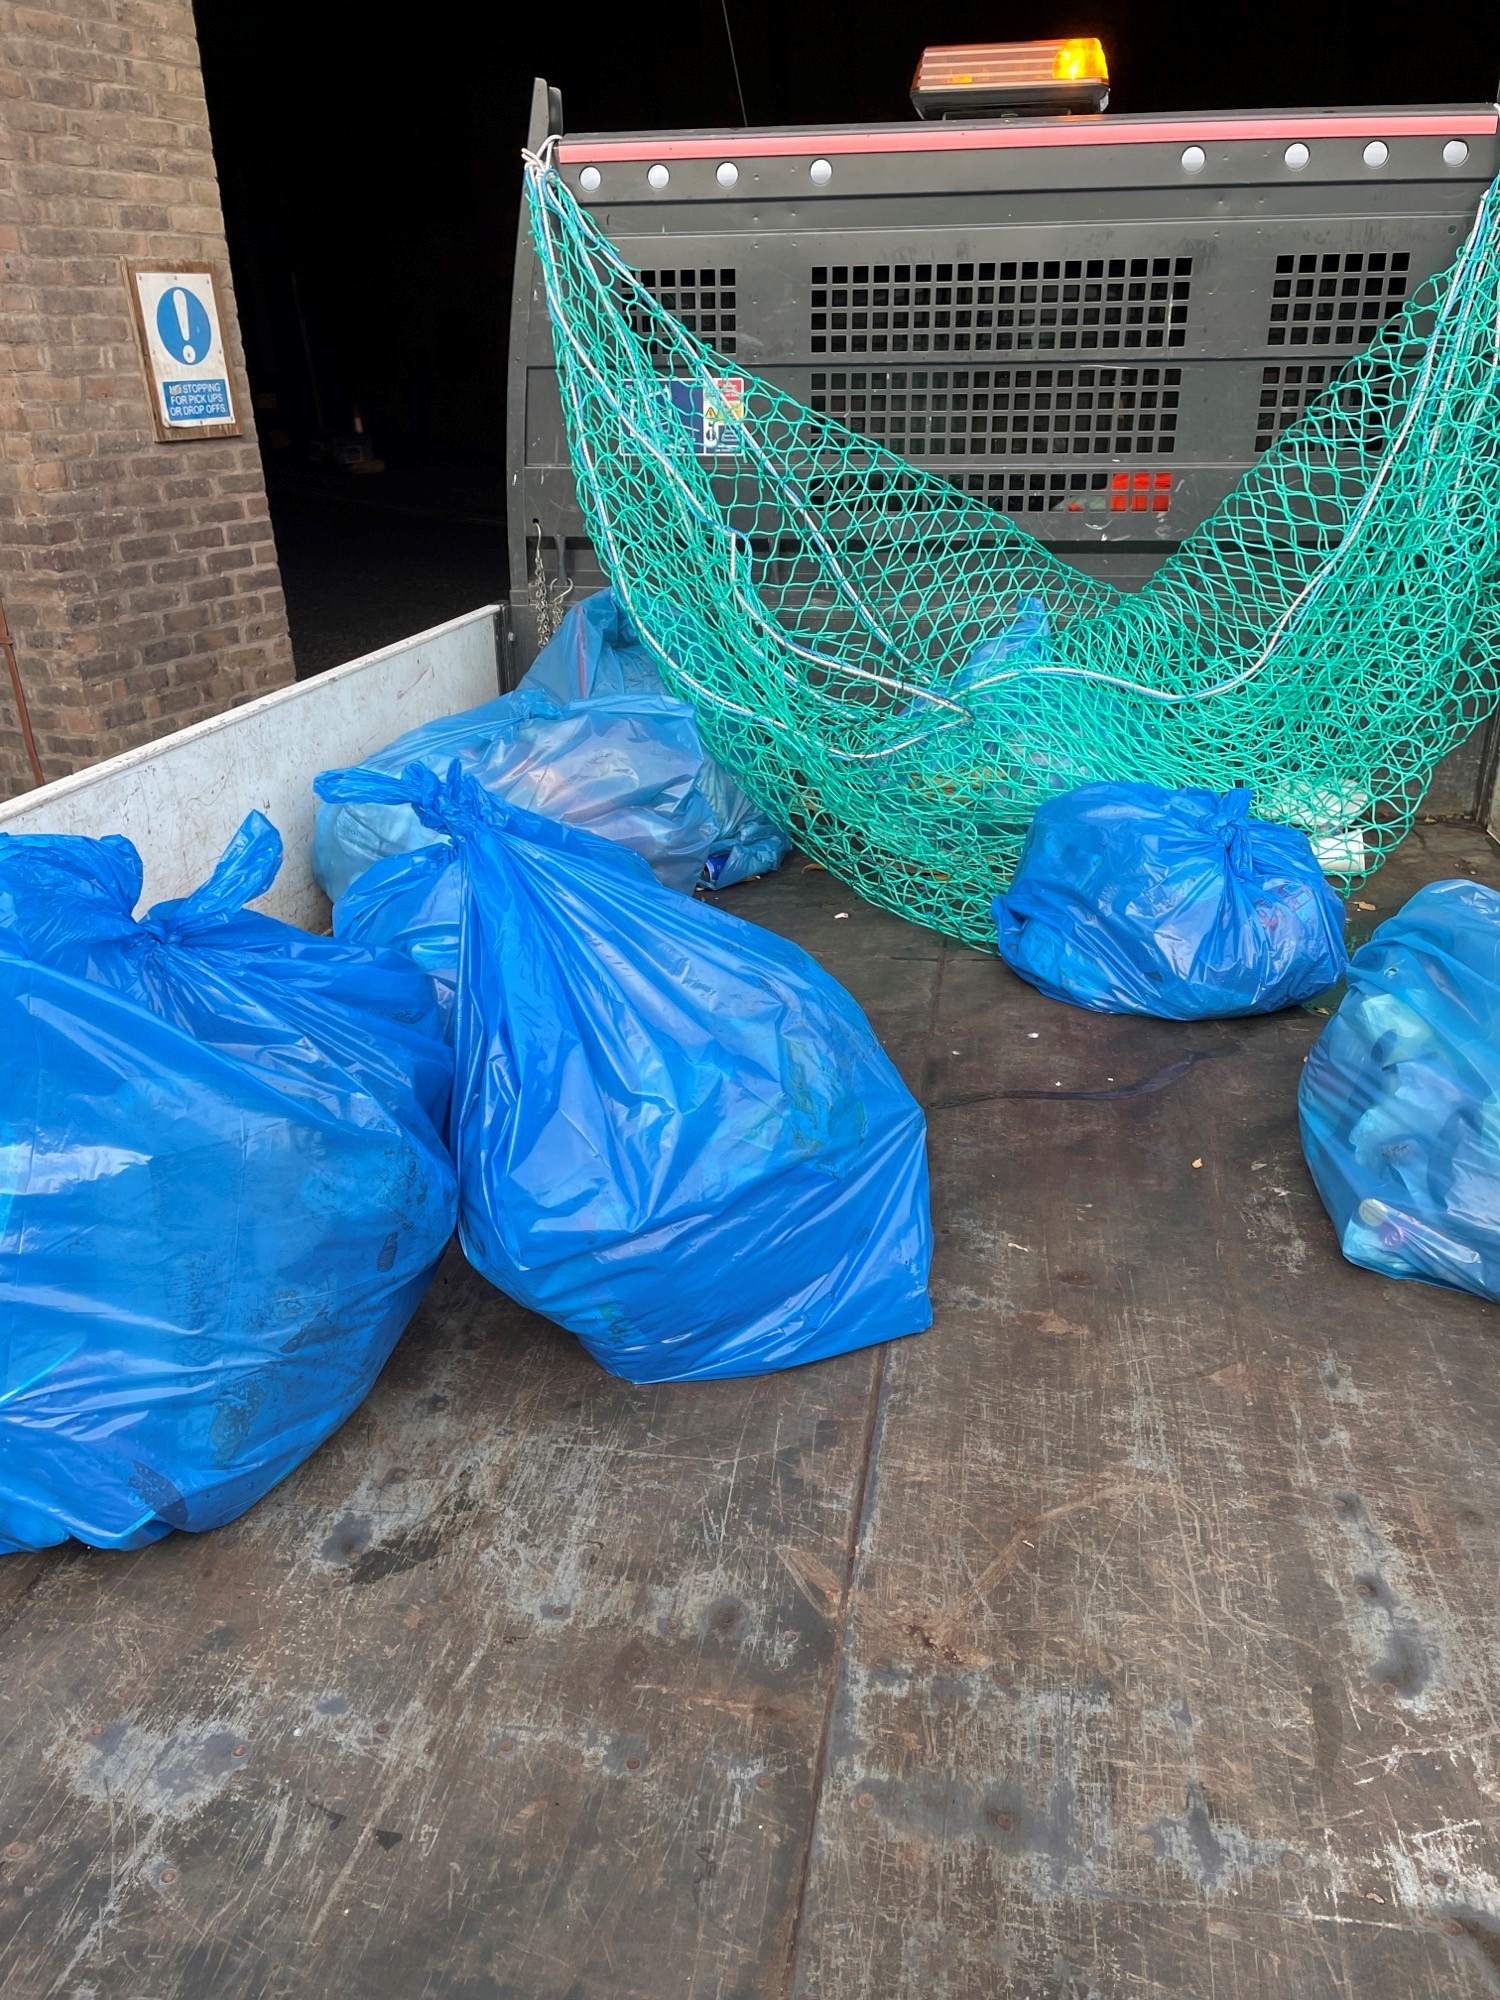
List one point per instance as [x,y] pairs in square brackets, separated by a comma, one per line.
[1131,1633]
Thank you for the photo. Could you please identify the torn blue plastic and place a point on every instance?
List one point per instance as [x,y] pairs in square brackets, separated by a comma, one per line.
[1025,641]
[1027,638]
[223,1188]
[675,1134]
[597,652]
[591,737]
[1130,899]
[594,651]
[1400,1098]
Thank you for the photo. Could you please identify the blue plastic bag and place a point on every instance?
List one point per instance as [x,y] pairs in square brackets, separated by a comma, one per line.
[1134,900]
[675,1134]
[594,651]
[1400,1098]
[223,1188]
[1025,641]
[597,651]
[590,737]
[625,766]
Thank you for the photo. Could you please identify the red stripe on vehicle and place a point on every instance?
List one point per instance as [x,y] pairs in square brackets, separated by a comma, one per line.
[937,138]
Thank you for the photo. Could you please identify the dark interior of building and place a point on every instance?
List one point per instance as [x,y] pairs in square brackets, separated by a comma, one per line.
[370,187]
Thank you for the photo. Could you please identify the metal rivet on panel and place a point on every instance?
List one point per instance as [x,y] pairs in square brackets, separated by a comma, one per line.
[1194,160]
[1297,156]
[658,177]
[1455,153]
[1376,153]
[589,179]
[821,172]
[727,175]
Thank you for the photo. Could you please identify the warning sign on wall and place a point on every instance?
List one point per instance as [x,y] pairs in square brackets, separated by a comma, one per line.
[178,315]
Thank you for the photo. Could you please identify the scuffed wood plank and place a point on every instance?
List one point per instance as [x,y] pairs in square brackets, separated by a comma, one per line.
[1172,1665]
[517,1688]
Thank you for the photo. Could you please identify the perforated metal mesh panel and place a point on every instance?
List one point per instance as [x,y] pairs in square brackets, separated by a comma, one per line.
[1088,335]
[702,297]
[1007,412]
[1072,303]
[1335,300]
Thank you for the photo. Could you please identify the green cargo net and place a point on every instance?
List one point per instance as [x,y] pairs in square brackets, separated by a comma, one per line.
[900,675]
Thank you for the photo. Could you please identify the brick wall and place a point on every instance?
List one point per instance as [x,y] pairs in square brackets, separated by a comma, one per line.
[139,578]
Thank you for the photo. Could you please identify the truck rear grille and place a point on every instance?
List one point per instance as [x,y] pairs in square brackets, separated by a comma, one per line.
[1084,303]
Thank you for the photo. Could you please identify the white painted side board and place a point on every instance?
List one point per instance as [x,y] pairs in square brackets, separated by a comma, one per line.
[180,798]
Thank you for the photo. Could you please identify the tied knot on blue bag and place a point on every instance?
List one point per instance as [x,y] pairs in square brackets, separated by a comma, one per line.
[151,933]
[455,804]
[1231,826]
[1133,899]
[245,870]
[67,892]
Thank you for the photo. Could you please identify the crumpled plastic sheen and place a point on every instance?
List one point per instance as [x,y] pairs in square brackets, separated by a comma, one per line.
[223,1188]
[1400,1098]
[676,1135]
[1131,899]
[591,737]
